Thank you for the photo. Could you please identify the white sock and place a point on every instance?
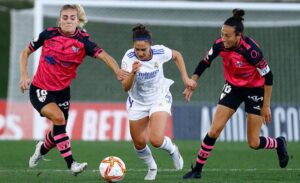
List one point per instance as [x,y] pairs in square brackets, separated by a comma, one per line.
[167,145]
[146,155]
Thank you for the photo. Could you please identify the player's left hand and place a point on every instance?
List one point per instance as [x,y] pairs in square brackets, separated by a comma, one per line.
[266,114]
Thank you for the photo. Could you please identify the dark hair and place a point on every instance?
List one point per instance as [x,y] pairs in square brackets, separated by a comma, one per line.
[236,20]
[140,33]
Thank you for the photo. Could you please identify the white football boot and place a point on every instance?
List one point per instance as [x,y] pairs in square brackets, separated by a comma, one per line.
[36,157]
[77,168]
[151,175]
[177,159]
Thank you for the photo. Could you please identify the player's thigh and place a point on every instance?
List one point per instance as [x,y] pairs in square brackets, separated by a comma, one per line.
[254,123]
[53,113]
[45,103]
[253,98]
[63,101]
[158,124]
[222,115]
[139,130]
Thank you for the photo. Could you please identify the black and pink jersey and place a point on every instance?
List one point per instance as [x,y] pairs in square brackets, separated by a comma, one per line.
[244,65]
[60,57]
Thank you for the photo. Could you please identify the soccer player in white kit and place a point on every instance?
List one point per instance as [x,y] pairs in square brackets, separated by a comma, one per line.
[149,101]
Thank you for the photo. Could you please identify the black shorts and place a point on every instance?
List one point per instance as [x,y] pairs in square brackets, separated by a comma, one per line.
[233,96]
[39,98]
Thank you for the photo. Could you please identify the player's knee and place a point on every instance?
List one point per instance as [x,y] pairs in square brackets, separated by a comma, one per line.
[139,145]
[156,142]
[58,120]
[253,144]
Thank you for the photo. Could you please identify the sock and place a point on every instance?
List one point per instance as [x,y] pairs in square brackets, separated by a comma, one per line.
[268,143]
[146,155]
[206,147]
[167,145]
[63,143]
[48,144]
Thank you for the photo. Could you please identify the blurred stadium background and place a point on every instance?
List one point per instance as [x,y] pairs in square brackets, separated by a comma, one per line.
[98,101]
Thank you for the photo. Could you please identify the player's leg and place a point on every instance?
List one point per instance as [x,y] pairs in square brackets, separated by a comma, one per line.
[253,103]
[139,134]
[221,117]
[40,98]
[159,115]
[158,123]
[62,99]
[228,103]
[256,141]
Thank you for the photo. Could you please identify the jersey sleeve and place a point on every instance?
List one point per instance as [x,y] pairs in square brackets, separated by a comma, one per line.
[256,58]
[37,42]
[213,52]
[91,48]
[126,64]
[168,54]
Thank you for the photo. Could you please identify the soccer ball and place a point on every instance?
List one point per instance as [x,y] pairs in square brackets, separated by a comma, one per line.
[112,169]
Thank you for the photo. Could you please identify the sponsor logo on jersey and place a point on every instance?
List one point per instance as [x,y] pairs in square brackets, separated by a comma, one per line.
[147,75]
[156,65]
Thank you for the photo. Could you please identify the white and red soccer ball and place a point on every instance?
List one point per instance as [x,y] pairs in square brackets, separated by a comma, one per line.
[112,169]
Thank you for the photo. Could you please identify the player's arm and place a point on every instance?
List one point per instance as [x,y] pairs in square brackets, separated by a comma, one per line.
[177,57]
[266,72]
[24,80]
[255,57]
[206,61]
[202,66]
[128,79]
[33,45]
[110,62]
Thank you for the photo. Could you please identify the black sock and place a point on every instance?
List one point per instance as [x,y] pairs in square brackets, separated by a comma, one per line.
[206,147]
[63,143]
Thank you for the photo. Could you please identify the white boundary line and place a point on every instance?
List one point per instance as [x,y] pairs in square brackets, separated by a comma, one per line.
[160,170]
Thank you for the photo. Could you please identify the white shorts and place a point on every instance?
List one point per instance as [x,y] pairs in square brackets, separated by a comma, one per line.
[138,111]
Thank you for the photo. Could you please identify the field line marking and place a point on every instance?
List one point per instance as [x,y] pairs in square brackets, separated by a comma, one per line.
[160,170]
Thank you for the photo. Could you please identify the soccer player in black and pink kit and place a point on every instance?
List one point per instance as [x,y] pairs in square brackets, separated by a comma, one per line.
[249,80]
[63,50]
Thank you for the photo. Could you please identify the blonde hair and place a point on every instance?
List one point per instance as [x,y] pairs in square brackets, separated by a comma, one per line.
[80,13]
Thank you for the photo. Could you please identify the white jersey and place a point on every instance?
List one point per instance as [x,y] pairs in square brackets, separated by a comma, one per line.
[150,84]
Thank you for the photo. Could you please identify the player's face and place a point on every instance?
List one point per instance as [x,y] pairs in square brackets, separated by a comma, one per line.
[229,37]
[68,21]
[142,49]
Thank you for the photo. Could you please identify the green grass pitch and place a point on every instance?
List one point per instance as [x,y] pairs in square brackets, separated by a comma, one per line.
[229,162]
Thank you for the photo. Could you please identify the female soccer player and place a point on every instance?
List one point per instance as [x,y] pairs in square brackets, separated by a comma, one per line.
[249,80]
[64,48]
[149,102]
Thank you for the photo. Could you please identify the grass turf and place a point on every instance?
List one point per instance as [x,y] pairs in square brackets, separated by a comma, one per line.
[229,162]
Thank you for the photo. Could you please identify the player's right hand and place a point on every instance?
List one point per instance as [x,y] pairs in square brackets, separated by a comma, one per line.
[24,84]
[187,94]
[136,66]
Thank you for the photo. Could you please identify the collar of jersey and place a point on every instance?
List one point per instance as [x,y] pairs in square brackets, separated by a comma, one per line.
[66,35]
